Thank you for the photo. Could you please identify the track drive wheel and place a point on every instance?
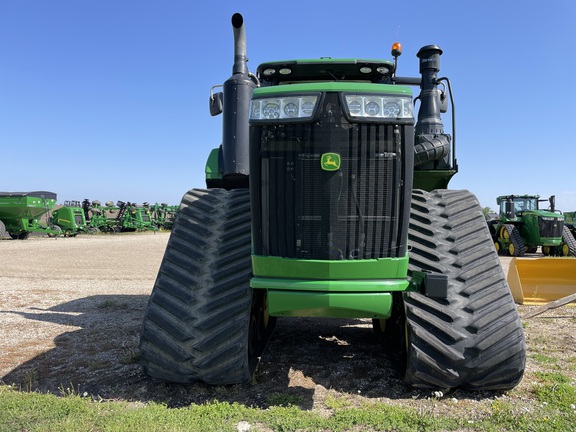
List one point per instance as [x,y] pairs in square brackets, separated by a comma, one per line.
[472,339]
[502,242]
[203,322]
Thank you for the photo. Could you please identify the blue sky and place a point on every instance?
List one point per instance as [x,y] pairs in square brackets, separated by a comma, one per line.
[108,99]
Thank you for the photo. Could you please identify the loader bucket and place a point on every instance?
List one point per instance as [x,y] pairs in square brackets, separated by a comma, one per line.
[541,280]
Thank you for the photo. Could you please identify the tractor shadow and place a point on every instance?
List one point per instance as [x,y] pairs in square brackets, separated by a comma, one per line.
[101,354]
[306,360]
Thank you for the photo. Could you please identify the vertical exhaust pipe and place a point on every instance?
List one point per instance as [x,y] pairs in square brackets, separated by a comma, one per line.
[237,95]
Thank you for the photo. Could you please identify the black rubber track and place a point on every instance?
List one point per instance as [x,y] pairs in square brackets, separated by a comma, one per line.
[197,322]
[568,238]
[473,339]
[516,240]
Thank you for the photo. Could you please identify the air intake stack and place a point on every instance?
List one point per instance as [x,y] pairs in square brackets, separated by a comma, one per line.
[431,144]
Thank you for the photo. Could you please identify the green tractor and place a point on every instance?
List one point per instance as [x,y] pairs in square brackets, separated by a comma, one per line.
[327,198]
[523,227]
[70,218]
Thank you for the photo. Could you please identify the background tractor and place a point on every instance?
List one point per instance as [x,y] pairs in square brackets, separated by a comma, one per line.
[523,227]
[327,198]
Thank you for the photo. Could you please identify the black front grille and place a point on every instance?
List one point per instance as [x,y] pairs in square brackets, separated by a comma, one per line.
[550,227]
[305,212]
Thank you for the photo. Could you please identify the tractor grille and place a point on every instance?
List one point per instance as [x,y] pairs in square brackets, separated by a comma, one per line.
[359,211]
[550,227]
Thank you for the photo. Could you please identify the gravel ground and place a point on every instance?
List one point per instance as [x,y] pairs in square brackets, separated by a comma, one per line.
[70,317]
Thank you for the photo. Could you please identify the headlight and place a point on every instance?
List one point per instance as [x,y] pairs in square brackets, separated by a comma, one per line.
[292,107]
[382,107]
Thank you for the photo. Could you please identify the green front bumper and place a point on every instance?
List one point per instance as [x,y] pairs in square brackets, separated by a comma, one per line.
[343,289]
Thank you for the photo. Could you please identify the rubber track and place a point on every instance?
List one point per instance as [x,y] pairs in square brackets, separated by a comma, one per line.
[473,339]
[516,239]
[568,238]
[196,324]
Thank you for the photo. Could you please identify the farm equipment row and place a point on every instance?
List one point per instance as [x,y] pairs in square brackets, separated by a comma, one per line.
[21,212]
[92,216]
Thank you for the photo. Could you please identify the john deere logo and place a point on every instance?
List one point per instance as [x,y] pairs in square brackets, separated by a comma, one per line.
[330,161]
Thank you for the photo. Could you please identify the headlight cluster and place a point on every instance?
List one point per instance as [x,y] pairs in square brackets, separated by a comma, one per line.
[293,107]
[375,106]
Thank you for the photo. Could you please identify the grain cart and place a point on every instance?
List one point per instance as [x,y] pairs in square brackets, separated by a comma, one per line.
[70,218]
[20,213]
[523,227]
[327,199]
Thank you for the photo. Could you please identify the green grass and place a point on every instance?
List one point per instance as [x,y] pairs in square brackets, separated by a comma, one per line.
[553,409]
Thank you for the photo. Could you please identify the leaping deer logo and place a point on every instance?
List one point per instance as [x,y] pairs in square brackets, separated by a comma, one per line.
[330,161]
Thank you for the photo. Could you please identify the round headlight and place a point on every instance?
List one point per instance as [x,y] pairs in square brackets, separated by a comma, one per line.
[372,108]
[355,107]
[308,108]
[391,109]
[291,109]
[269,71]
[255,110]
[271,111]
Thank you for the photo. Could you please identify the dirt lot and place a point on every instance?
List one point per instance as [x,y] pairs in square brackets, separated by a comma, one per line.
[70,316]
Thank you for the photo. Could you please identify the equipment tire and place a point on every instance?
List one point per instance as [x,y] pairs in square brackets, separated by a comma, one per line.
[473,339]
[197,325]
[2,229]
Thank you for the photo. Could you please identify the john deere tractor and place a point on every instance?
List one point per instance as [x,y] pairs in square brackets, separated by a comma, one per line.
[523,227]
[327,198]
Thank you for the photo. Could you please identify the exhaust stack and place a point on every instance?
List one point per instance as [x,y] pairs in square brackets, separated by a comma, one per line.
[236,106]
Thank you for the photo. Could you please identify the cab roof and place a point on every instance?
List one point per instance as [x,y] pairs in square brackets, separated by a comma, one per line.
[325,69]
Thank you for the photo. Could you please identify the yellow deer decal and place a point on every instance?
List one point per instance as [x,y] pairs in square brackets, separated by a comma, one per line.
[330,161]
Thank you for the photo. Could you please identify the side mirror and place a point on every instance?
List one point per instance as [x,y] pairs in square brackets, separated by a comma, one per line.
[216,103]
[443,102]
